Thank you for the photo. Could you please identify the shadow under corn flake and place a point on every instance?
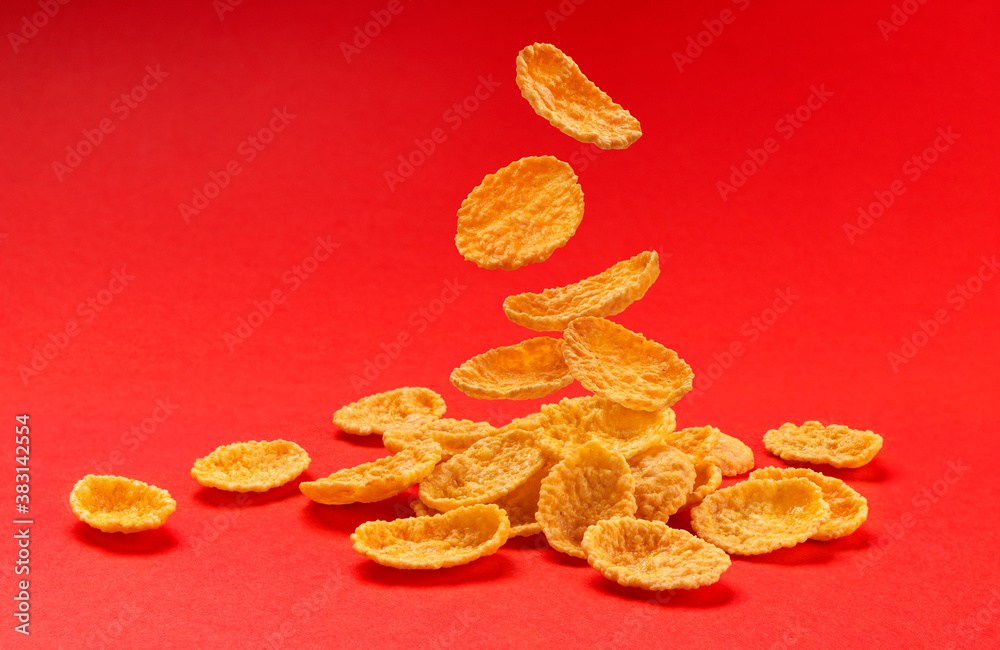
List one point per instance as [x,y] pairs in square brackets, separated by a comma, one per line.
[147,542]
[485,569]
[713,595]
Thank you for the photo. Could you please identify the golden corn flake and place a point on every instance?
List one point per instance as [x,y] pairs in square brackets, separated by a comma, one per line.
[557,90]
[707,479]
[251,466]
[449,539]
[604,294]
[814,443]
[115,504]
[372,414]
[848,509]
[486,471]
[592,484]
[528,370]
[696,442]
[521,214]
[624,366]
[761,515]
[652,555]
[576,421]
[378,480]
[731,456]
[420,509]
[521,504]
[454,436]
[664,476]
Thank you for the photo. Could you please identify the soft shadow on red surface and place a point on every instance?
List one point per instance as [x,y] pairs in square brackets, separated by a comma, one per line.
[223,499]
[529,543]
[714,595]
[873,472]
[487,569]
[147,542]
[562,559]
[800,554]
[373,440]
[348,517]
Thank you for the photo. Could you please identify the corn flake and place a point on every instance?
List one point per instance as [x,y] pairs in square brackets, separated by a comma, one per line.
[378,480]
[520,215]
[835,445]
[696,442]
[592,484]
[731,456]
[435,542]
[576,421]
[251,466]
[848,509]
[761,515]
[664,477]
[454,436]
[114,504]
[707,479]
[528,370]
[652,555]
[372,414]
[624,366]
[557,90]
[486,471]
[521,504]
[601,295]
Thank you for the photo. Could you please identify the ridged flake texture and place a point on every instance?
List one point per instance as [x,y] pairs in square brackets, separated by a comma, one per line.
[557,90]
[834,445]
[651,555]
[434,542]
[251,466]
[761,515]
[486,471]
[454,436]
[731,455]
[527,370]
[664,476]
[707,479]
[696,442]
[521,214]
[115,504]
[605,294]
[623,366]
[591,485]
[848,509]
[378,480]
[573,422]
[372,414]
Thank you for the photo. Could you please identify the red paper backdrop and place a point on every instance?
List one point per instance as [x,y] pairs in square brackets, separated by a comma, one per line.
[848,94]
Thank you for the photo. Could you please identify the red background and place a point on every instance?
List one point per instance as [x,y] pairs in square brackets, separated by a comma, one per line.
[278,571]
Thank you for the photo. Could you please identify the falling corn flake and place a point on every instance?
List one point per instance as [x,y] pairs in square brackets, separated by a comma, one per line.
[450,539]
[624,366]
[378,480]
[557,90]
[251,466]
[592,484]
[115,504]
[528,370]
[761,515]
[605,294]
[485,472]
[651,555]
[372,414]
[521,214]
[848,509]
[835,445]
